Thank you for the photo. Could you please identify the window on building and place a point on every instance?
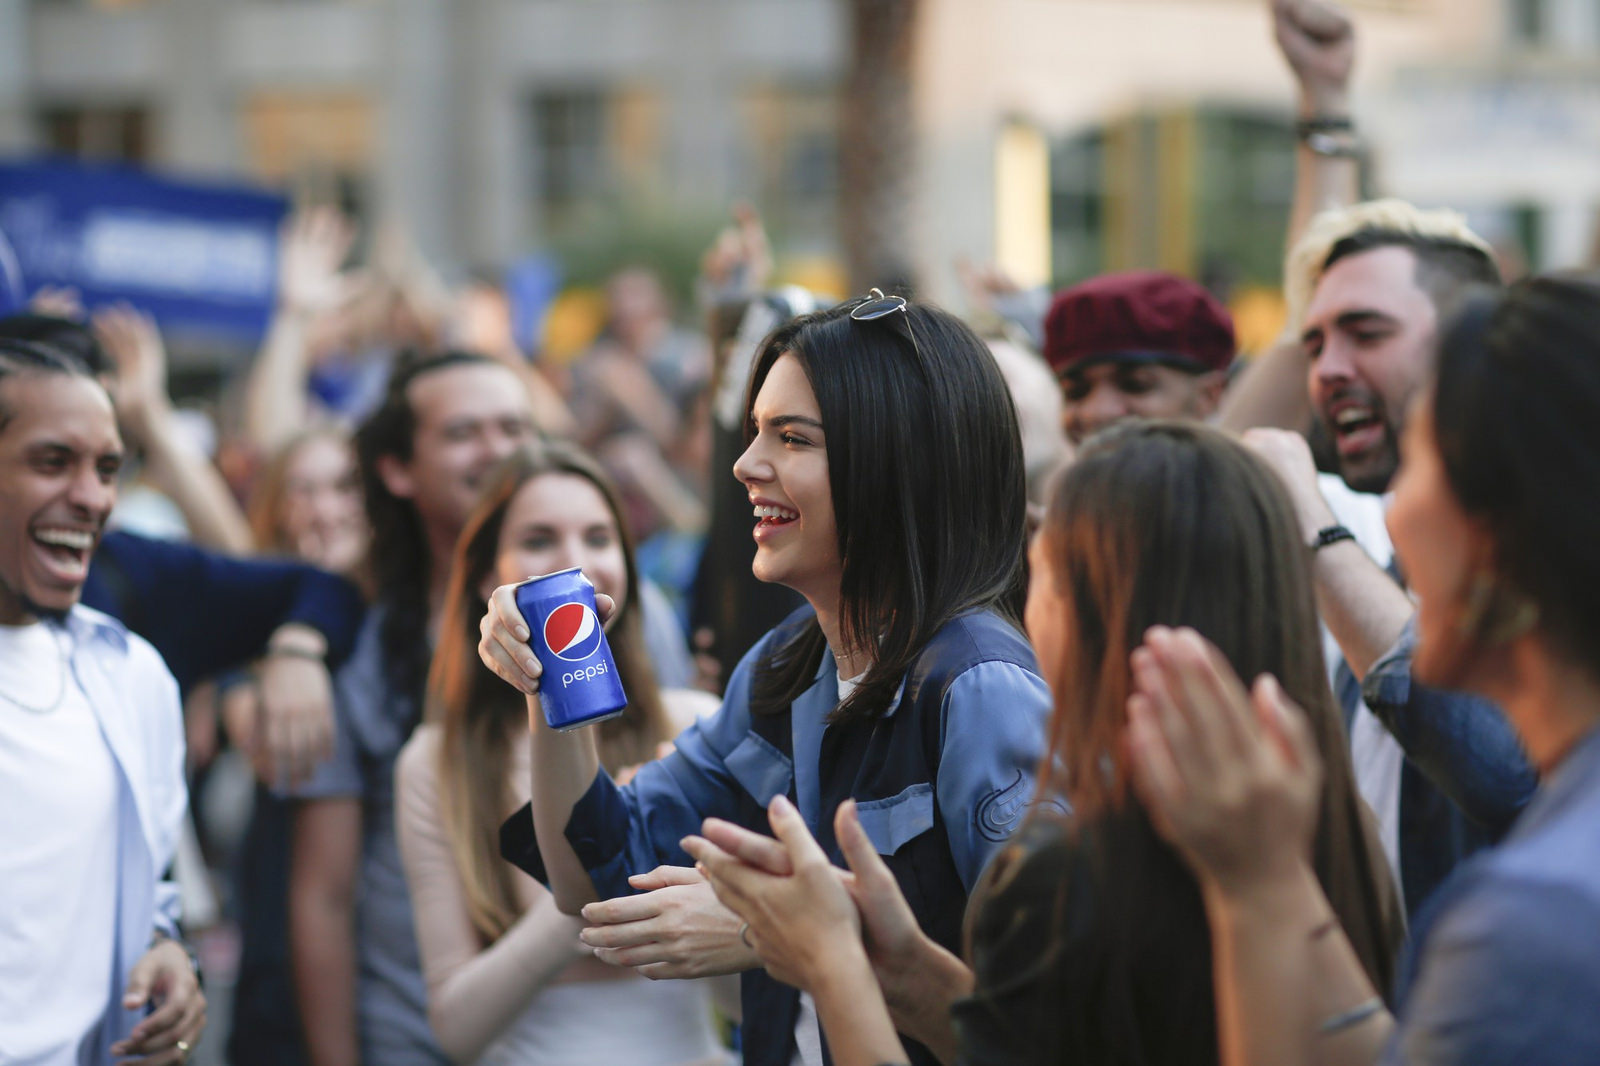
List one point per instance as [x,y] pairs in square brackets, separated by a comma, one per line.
[1204,193]
[1527,225]
[570,136]
[107,134]
[1246,182]
[1077,207]
[787,160]
[1527,21]
[321,145]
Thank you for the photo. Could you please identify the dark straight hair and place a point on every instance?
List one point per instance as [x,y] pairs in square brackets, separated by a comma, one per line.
[400,560]
[929,491]
[1515,410]
[18,357]
[60,334]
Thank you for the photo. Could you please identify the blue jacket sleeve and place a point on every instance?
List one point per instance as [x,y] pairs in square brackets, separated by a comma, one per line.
[1504,979]
[616,831]
[992,738]
[206,612]
[1462,744]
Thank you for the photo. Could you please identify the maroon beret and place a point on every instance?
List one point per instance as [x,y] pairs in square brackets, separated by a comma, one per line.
[1144,316]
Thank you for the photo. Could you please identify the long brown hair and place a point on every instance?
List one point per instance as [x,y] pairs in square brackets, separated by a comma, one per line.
[1174,524]
[271,488]
[481,715]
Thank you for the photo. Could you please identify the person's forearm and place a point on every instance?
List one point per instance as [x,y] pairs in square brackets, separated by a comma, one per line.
[648,472]
[214,517]
[1322,182]
[1282,970]
[564,766]
[275,394]
[1270,391]
[1360,604]
[550,411]
[852,1012]
[322,949]
[474,1005]
[1462,743]
[920,993]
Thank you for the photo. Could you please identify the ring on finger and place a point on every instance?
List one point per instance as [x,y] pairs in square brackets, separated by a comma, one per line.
[744,935]
[183,1049]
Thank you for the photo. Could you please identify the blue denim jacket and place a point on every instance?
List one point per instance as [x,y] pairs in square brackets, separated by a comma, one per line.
[1505,968]
[941,779]
[1465,779]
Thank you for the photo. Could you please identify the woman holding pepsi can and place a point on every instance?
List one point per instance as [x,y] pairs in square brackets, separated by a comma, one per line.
[509,983]
[885,474]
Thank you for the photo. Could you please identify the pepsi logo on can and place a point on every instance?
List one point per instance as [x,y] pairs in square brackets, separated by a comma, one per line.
[579,685]
[572,632]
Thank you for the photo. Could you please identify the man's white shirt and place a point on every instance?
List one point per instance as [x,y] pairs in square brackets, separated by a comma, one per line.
[94,799]
[58,848]
[1374,754]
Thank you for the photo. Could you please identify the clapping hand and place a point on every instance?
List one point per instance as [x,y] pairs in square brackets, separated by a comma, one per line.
[795,920]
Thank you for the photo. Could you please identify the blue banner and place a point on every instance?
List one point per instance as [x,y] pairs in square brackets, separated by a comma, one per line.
[201,258]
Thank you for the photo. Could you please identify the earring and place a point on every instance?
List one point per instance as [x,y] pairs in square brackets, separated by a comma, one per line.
[1493,613]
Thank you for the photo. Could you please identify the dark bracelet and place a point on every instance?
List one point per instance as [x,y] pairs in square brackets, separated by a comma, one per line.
[1323,124]
[1329,535]
[289,651]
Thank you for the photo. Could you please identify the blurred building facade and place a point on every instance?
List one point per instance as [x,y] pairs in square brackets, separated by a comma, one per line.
[1060,137]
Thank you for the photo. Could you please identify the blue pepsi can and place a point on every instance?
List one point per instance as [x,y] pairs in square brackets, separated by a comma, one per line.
[580,685]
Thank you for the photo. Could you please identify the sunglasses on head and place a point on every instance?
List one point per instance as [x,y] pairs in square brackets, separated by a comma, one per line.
[891,311]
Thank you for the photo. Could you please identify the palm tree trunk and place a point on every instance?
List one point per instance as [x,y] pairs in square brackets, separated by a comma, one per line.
[877,144]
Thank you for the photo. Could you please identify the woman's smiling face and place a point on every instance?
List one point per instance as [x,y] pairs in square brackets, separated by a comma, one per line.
[785,471]
[560,520]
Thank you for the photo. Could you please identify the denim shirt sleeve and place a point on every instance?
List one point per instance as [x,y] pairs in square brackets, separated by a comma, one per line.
[992,738]
[1461,743]
[616,831]
[1504,979]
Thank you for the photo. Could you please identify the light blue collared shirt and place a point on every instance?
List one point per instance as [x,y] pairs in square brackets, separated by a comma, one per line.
[135,701]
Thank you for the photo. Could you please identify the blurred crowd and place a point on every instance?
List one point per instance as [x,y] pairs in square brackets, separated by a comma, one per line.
[1086,691]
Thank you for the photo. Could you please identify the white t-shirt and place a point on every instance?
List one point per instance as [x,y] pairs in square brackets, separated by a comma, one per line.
[1375,755]
[807,1029]
[58,853]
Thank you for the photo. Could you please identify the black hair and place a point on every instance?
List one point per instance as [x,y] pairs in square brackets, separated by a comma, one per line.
[401,562]
[1447,267]
[28,357]
[1514,414]
[62,334]
[929,491]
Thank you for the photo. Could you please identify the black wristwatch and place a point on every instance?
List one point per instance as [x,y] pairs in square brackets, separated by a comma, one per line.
[1329,535]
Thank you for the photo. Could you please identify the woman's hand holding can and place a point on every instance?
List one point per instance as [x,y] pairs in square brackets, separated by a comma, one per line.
[503,645]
